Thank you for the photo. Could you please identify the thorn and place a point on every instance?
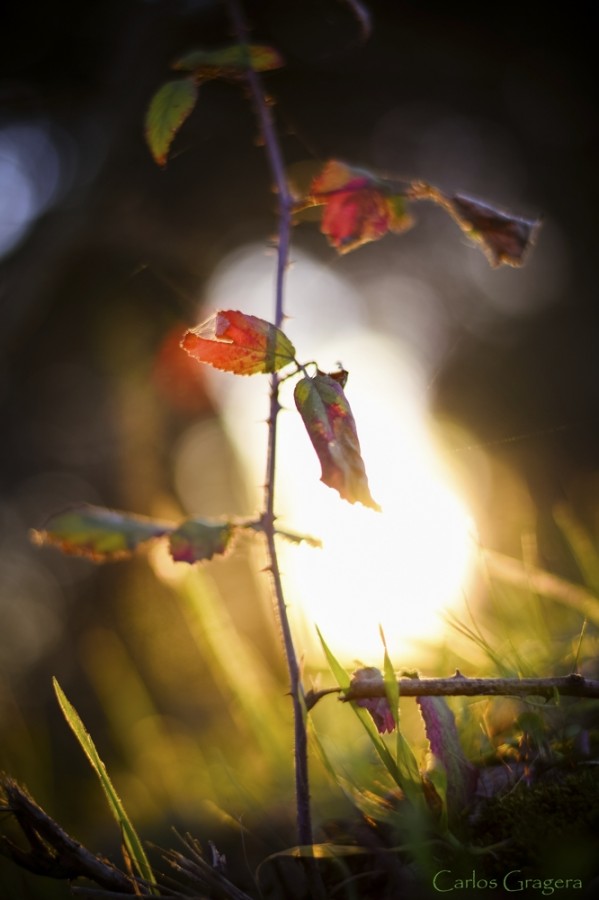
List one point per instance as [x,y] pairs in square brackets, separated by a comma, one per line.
[458,674]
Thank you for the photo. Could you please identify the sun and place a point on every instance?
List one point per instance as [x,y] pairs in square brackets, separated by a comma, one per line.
[400,568]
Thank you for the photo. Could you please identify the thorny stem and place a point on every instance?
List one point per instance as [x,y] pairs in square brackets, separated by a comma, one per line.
[285,207]
[573,685]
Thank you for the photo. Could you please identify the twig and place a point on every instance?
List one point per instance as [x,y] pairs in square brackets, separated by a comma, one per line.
[458,685]
[285,207]
[54,853]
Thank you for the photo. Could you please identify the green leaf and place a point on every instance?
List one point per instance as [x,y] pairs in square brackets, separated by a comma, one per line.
[236,342]
[131,839]
[230,60]
[98,533]
[169,108]
[330,424]
[196,540]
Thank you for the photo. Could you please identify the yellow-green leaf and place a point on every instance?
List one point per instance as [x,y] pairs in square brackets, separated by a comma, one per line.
[229,60]
[98,533]
[169,108]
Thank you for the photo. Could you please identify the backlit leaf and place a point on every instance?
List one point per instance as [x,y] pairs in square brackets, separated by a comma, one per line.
[229,60]
[99,534]
[378,707]
[330,424]
[196,540]
[236,342]
[169,108]
[445,744]
[359,207]
[504,238]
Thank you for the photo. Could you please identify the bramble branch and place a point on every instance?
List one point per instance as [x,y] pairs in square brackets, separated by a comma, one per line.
[285,207]
[458,685]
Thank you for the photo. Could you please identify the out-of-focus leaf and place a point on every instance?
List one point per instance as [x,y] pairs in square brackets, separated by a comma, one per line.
[442,733]
[236,342]
[196,540]
[359,207]
[503,237]
[378,707]
[133,844]
[99,534]
[230,60]
[169,108]
[330,424]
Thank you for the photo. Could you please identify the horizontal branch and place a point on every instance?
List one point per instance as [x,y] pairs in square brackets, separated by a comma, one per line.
[458,685]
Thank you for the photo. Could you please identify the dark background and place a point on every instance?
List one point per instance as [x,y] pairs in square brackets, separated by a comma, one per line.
[496,101]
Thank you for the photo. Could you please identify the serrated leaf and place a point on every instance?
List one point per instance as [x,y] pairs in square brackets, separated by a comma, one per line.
[197,540]
[170,106]
[132,842]
[359,206]
[236,342]
[99,534]
[330,424]
[230,60]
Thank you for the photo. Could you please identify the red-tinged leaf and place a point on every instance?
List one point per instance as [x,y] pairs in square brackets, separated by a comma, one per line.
[359,207]
[330,425]
[228,61]
[236,342]
[503,237]
[378,707]
[442,733]
[169,108]
[196,540]
[99,534]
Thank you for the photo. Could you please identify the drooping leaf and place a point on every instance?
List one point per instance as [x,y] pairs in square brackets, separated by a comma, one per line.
[359,207]
[99,534]
[444,740]
[330,424]
[378,707]
[169,108]
[236,342]
[197,540]
[227,61]
[131,840]
[504,238]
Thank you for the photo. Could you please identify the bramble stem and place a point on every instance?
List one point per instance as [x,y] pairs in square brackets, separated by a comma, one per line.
[458,685]
[285,207]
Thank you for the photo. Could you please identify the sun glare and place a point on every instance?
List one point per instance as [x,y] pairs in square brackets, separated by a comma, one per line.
[399,569]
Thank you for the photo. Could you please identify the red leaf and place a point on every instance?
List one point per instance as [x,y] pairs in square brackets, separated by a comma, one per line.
[239,343]
[331,427]
[99,534]
[196,540]
[358,206]
[378,707]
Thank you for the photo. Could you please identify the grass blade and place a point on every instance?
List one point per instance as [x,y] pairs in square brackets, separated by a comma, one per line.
[131,839]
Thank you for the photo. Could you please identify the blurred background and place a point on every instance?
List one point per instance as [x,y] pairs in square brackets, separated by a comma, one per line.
[475,390]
